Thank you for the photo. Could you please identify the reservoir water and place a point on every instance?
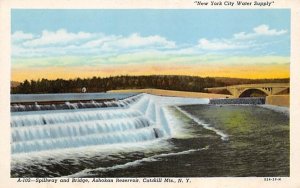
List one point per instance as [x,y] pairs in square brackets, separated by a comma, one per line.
[150,136]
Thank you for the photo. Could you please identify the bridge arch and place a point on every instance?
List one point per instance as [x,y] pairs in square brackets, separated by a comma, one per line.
[253,92]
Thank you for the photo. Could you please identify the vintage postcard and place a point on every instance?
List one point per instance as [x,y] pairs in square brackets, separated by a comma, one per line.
[172,94]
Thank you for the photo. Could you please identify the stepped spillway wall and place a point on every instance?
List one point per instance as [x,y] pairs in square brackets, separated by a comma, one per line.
[134,120]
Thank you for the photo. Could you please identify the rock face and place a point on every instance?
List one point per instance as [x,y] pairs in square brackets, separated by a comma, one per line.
[248,100]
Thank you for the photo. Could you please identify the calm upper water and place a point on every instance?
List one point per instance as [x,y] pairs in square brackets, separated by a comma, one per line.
[67,96]
[157,140]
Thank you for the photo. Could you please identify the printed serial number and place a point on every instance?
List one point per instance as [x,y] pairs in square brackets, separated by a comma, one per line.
[272,179]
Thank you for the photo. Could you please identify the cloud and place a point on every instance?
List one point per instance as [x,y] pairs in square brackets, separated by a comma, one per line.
[112,43]
[58,37]
[62,42]
[65,43]
[21,36]
[264,30]
[99,41]
[220,44]
[237,41]
[135,41]
[261,30]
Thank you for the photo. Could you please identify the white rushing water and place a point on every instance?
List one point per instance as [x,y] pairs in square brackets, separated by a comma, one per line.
[202,123]
[141,119]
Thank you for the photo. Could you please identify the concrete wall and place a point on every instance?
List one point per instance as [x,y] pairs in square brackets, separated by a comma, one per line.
[279,100]
[174,93]
[246,100]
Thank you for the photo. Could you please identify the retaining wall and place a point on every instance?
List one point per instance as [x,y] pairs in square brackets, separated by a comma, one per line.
[279,100]
[172,93]
[246,100]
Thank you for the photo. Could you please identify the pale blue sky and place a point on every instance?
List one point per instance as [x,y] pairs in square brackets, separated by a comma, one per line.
[185,26]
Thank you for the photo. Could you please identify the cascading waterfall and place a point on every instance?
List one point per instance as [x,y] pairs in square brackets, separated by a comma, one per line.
[133,120]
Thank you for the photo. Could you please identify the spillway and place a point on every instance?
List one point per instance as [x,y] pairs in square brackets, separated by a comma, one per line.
[133,120]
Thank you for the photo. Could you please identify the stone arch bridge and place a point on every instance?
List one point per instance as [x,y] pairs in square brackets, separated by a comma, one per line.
[246,90]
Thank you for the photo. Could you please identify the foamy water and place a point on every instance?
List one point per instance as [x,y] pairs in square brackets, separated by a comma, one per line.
[223,135]
[145,119]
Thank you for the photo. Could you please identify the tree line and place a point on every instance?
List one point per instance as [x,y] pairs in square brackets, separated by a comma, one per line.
[99,84]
